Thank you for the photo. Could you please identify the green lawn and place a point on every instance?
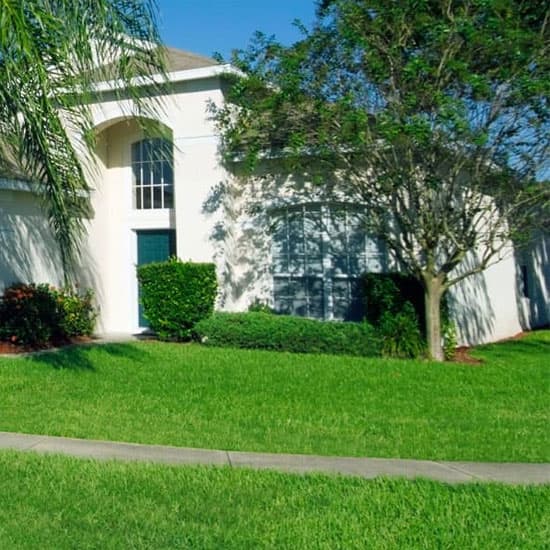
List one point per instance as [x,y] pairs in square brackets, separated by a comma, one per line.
[188,395]
[58,502]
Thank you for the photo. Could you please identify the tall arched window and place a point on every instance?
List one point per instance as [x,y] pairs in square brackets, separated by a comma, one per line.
[153,174]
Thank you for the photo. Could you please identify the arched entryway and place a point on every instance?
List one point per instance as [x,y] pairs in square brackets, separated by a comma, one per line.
[133,200]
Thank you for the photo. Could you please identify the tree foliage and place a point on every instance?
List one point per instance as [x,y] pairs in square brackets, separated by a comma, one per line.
[434,114]
[52,54]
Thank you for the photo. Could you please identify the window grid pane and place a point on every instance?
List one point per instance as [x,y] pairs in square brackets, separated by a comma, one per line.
[153,174]
[319,253]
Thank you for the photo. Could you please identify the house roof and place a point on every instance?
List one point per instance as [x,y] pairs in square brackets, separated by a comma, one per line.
[181,60]
[175,61]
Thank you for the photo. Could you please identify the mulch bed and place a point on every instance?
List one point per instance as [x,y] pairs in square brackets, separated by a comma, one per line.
[10,348]
[462,355]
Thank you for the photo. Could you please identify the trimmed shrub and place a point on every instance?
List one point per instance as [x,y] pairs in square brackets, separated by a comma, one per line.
[176,295]
[40,314]
[287,333]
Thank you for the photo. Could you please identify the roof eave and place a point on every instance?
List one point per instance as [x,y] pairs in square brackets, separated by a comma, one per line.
[174,76]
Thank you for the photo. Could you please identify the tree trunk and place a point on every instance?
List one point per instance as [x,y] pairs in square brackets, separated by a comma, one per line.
[432,302]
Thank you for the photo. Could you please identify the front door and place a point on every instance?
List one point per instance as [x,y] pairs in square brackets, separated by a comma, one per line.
[153,246]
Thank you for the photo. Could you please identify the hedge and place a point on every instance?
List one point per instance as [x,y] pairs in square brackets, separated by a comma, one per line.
[175,295]
[288,333]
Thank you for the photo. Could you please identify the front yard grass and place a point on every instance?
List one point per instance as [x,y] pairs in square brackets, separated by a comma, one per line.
[188,395]
[59,502]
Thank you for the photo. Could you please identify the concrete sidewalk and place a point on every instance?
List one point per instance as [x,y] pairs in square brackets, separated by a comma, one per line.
[450,472]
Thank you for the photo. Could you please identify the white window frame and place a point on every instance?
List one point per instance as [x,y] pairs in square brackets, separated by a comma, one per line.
[155,166]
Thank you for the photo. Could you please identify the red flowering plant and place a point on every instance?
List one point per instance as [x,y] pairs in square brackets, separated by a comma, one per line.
[40,314]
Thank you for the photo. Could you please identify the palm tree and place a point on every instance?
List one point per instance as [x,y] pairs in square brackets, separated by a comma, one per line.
[52,53]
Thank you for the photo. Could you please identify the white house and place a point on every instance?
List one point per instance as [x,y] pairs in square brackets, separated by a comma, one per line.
[267,242]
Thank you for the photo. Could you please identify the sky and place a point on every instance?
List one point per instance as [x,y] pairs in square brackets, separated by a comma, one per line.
[208,26]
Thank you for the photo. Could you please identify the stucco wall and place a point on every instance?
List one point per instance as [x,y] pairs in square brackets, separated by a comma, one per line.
[484,306]
[28,252]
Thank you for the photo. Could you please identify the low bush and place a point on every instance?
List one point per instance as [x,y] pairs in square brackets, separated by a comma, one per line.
[394,304]
[388,293]
[259,330]
[39,314]
[29,314]
[400,334]
[176,295]
[449,340]
[79,315]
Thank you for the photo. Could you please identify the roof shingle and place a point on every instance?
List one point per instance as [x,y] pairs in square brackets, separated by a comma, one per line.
[181,60]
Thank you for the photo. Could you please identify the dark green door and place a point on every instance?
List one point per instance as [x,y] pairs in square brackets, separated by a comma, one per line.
[153,246]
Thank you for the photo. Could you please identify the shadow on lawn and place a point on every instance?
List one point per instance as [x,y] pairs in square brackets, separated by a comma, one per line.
[84,357]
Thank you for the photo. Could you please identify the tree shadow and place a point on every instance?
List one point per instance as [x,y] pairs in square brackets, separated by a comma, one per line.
[78,357]
[471,308]
[533,283]
[241,240]
[28,251]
